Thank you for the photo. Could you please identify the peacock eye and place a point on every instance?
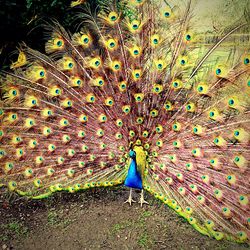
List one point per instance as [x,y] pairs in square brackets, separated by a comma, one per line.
[112,45]
[139,120]
[188,37]
[160,66]
[200,89]
[166,14]
[97,63]
[78,82]
[183,62]
[237,159]
[236,133]
[136,52]
[211,114]
[155,41]
[42,73]
[59,43]
[14,92]
[246,61]
[86,40]
[113,18]
[231,102]
[135,26]
[70,65]
[218,71]
[92,98]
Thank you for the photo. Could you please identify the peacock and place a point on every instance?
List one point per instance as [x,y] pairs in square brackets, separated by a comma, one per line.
[143,94]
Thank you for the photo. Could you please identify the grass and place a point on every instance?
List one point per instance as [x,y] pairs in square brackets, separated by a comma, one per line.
[53,219]
[143,240]
[13,229]
[120,226]
[146,214]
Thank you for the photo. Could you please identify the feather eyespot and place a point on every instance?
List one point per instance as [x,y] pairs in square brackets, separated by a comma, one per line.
[59,43]
[42,73]
[218,71]
[246,61]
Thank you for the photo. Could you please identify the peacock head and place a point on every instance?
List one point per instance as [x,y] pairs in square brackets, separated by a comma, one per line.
[132,154]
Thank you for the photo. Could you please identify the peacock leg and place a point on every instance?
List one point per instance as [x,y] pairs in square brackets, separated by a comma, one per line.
[142,201]
[130,200]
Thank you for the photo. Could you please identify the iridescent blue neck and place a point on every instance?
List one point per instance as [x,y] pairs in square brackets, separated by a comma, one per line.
[133,178]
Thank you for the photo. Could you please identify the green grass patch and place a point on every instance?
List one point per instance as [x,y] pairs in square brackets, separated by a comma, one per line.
[144,240]
[116,228]
[56,220]
[13,229]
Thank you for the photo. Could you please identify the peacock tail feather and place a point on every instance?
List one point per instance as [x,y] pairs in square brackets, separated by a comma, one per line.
[138,73]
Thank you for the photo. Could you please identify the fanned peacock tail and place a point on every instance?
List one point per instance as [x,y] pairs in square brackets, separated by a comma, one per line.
[141,72]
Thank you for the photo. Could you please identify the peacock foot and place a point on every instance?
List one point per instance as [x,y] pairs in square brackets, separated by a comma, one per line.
[142,201]
[130,200]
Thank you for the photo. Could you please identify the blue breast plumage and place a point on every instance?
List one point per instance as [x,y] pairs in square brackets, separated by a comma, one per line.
[133,179]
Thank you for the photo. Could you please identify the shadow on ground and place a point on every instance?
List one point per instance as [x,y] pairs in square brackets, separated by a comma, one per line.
[97,219]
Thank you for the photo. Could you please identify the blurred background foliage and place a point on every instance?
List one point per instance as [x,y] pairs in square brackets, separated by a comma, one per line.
[21,20]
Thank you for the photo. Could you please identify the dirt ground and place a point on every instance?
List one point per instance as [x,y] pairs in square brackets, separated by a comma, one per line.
[97,219]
